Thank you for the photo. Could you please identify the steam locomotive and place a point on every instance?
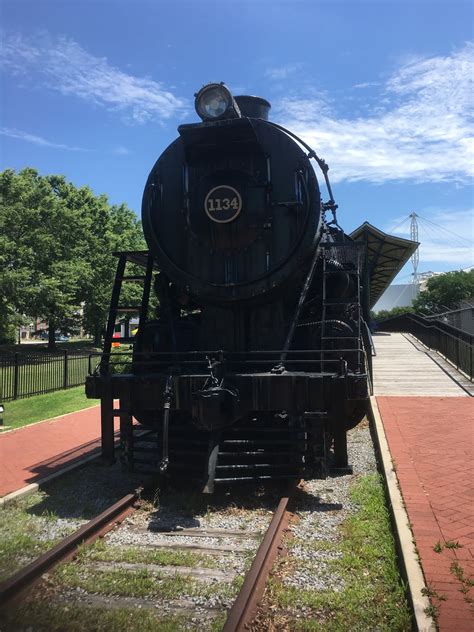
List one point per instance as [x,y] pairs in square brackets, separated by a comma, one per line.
[254,362]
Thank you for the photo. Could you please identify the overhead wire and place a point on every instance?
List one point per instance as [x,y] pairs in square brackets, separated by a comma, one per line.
[433,232]
[406,219]
[440,239]
[430,232]
[425,221]
[446,230]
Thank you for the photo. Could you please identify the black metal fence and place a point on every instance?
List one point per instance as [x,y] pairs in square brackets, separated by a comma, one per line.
[456,345]
[23,375]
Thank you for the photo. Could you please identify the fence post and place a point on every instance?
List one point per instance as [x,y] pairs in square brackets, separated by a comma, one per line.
[470,363]
[15,377]
[65,369]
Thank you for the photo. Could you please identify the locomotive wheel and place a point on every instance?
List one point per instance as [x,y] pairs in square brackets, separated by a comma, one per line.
[355,416]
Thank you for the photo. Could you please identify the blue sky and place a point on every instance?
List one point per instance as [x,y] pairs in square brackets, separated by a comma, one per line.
[382,90]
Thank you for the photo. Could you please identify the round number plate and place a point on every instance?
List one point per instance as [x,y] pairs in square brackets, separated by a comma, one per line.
[223,204]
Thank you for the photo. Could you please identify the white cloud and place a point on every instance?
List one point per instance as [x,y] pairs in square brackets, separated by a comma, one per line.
[121,151]
[445,236]
[366,84]
[305,110]
[282,72]
[69,69]
[421,130]
[36,140]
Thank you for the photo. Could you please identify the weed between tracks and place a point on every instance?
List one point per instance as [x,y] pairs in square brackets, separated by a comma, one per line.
[100,552]
[43,617]
[371,596]
[139,583]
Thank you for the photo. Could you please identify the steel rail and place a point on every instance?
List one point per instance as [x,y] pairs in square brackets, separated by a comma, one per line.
[101,524]
[245,606]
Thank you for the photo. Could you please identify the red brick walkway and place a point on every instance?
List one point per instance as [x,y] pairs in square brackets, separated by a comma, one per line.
[33,452]
[431,442]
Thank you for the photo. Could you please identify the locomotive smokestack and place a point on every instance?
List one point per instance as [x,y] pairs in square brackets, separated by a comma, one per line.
[254,107]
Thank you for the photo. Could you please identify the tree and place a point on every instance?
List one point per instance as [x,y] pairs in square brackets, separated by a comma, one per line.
[106,229]
[390,313]
[40,246]
[120,230]
[56,245]
[444,292]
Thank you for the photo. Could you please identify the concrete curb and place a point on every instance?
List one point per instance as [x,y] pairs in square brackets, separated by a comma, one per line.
[409,560]
[27,490]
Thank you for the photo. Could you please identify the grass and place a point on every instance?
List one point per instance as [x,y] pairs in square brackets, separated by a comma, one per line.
[430,592]
[450,544]
[17,549]
[139,583]
[23,535]
[23,412]
[373,597]
[45,617]
[100,552]
[79,345]
[39,370]
[31,525]
[432,611]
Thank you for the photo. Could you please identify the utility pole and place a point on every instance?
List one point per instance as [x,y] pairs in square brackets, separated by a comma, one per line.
[414,237]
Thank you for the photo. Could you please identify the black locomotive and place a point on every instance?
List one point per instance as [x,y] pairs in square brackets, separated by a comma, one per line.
[254,364]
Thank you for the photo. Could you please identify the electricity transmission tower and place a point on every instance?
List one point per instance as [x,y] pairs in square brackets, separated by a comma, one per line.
[414,237]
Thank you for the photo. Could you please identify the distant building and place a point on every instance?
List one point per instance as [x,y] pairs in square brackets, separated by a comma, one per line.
[37,329]
[396,296]
[403,296]
[33,330]
[424,277]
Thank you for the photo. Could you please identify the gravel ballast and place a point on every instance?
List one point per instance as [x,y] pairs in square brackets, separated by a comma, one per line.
[321,509]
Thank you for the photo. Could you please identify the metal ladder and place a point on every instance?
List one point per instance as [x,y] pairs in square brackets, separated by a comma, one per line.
[354,301]
[115,308]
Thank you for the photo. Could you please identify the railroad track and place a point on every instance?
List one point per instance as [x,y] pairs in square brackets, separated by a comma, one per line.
[15,586]
[238,546]
[196,562]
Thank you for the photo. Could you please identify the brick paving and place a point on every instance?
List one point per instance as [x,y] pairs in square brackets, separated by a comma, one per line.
[30,453]
[431,442]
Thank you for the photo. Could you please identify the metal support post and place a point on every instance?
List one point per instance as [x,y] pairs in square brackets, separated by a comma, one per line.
[107,428]
[15,377]
[126,429]
[341,460]
[338,413]
[65,369]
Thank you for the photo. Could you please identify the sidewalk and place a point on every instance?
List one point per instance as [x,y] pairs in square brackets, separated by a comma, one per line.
[33,452]
[431,442]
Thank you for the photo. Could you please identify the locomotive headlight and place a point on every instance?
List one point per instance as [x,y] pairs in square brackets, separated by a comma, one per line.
[215,101]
